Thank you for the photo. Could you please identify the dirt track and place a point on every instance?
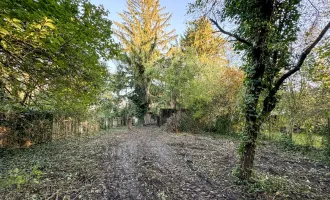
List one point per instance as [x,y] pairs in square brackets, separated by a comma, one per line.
[151,165]
[147,163]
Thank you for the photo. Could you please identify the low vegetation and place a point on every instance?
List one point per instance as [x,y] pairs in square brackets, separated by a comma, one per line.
[241,98]
[149,162]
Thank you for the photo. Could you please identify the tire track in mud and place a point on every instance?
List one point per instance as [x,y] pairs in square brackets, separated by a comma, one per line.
[121,179]
[143,166]
[183,180]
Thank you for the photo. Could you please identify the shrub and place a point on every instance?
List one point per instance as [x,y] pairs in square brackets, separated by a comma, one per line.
[223,124]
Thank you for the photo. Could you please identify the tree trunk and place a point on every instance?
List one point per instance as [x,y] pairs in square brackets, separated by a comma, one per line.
[252,117]
[251,130]
[129,123]
[141,99]
[329,135]
[291,128]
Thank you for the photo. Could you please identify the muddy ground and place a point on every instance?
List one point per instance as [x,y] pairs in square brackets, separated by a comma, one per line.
[147,163]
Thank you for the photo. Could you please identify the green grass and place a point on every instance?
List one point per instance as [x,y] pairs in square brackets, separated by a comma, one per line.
[304,140]
[299,139]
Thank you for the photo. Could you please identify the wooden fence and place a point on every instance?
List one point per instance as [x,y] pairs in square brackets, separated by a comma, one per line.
[19,132]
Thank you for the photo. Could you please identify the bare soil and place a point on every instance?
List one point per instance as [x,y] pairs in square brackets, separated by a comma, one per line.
[147,163]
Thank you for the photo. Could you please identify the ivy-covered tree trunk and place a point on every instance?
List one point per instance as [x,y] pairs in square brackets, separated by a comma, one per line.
[252,127]
[251,131]
[247,157]
[144,102]
[255,72]
[329,136]
[141,95]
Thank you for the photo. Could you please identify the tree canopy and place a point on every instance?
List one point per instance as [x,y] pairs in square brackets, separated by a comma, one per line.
[51,52]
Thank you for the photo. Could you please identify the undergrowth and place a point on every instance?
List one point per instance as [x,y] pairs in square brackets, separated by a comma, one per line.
[266,186]
[276,187]
[32,172]
[18,177]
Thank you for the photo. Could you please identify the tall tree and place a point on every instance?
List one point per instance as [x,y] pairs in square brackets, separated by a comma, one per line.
[209,44]
[265,30]
[144,37]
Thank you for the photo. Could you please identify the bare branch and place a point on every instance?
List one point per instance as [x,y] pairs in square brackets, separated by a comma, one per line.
[302,58]
[317,10]
[230,34]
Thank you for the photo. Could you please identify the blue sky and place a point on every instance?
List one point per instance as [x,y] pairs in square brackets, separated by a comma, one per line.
[178,8]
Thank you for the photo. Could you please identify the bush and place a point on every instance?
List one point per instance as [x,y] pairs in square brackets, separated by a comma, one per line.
[223,125]
[286,141]
[25,125]
[183,122]
[173,123]
[188,123]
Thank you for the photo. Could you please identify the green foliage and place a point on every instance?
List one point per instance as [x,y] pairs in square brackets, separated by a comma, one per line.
[241,146]
[299,141]
[51,53]
[317,67]
[189,124]
[206,89]
[287,141]
[313,146]
[17,177]
[201,36]
[265,183]
[223,124]
[176,73]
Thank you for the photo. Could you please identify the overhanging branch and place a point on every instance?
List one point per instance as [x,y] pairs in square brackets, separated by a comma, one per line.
[302,58]
[270,100]
[238,38]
